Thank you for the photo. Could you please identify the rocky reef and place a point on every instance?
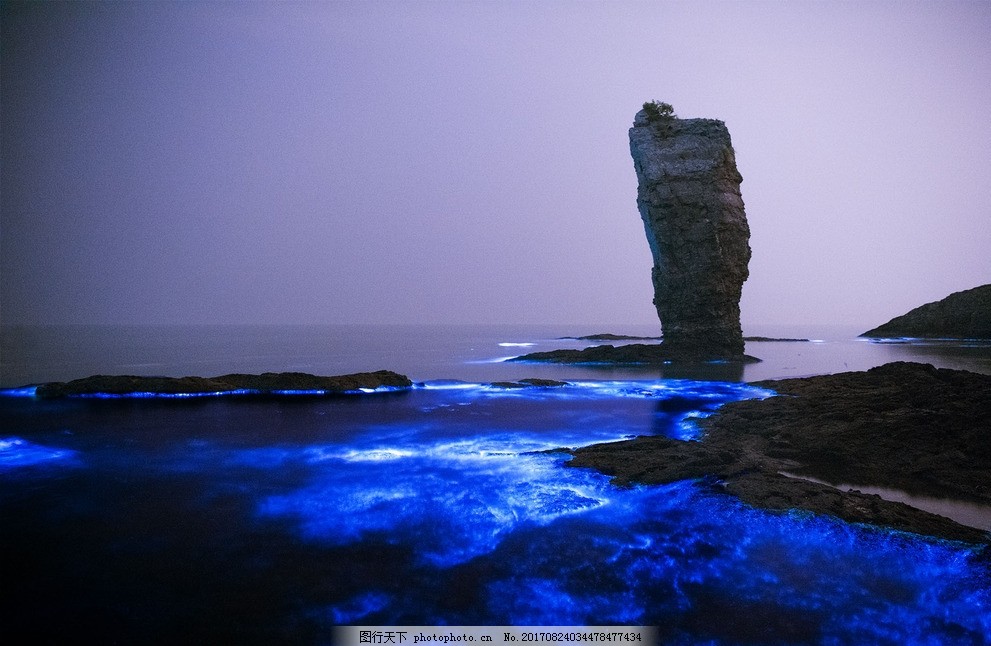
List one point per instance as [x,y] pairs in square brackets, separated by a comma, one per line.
[647,354]
[689,199]
[906,426]
[608,336]
[961,315]
[263,384]
[632,354]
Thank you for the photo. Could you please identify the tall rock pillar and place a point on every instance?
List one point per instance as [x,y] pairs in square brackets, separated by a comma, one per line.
[690,202]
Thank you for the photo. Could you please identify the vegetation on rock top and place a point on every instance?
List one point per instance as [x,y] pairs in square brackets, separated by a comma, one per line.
[659,111]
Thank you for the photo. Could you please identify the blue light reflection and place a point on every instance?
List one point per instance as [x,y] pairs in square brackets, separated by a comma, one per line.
[16,452]
[443,506]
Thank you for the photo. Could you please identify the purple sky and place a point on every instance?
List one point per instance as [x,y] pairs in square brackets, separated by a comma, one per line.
[468,161]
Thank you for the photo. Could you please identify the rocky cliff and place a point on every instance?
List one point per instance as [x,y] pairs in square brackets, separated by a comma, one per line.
[963,315]
[690,202]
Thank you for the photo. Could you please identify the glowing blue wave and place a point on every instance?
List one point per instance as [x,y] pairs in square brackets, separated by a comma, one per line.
[672,555]
[16,452]
[154,395]
[26,391]
[471,495]
[717,392]
[392,476]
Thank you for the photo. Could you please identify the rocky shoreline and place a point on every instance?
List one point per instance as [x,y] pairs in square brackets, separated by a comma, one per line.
[267,383]
[906,426]
[638,353]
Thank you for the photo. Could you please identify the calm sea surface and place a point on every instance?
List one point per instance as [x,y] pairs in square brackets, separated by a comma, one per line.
[472,353]
[273,520]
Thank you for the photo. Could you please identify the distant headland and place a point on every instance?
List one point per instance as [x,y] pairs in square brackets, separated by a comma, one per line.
[961,315]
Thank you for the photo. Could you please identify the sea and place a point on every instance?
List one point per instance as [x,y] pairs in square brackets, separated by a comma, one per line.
[249,519]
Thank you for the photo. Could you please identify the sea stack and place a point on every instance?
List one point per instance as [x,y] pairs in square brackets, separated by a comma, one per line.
[689,199]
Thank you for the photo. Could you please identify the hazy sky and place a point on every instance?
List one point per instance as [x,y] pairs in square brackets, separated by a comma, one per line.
[469,161]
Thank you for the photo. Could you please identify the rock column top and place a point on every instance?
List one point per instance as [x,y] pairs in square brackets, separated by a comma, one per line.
[679,146]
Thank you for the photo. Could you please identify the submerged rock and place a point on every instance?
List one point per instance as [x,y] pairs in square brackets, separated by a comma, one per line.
[689,199]
[265,383]
[905,426]
[961,315]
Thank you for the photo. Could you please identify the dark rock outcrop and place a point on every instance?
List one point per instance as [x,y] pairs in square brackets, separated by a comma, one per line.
[606,336]
[265,383]
[690,202]
[961,315]
[906,426]
[630,354]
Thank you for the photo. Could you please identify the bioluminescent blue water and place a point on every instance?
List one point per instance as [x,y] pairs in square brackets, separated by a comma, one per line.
[273,520]
[16,452]
[26,391]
